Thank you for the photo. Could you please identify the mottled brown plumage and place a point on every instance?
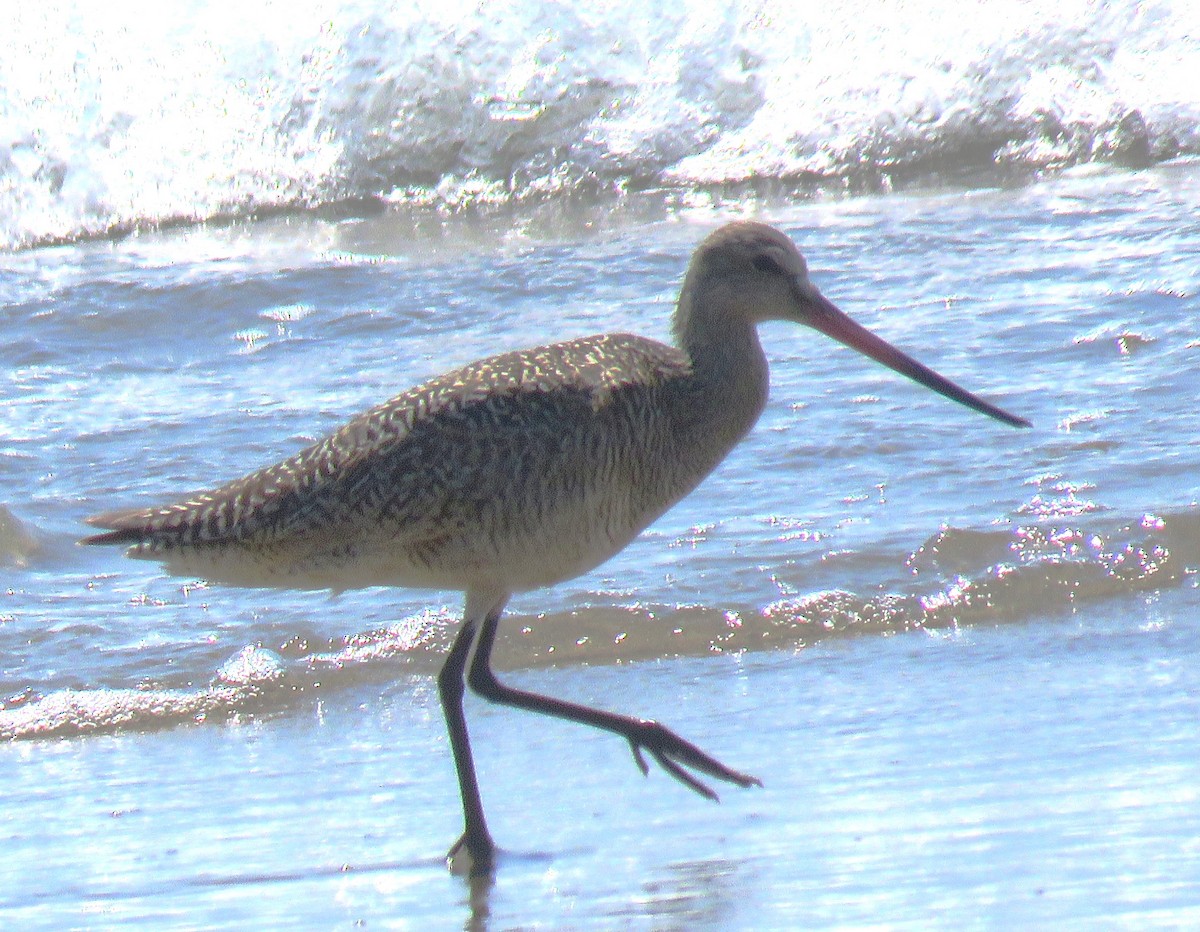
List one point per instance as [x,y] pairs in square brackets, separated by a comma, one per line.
[517,472]
[520,471]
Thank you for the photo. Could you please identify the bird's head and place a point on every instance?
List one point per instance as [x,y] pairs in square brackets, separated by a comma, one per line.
[746,273]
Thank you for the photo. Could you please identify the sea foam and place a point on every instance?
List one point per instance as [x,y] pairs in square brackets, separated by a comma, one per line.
[124,116]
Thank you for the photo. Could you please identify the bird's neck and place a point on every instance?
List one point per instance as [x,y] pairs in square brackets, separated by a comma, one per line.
[729,369]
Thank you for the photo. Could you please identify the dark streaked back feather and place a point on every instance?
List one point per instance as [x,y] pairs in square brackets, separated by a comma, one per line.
[410,457]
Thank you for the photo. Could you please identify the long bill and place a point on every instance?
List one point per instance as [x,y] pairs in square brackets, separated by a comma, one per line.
[825,317]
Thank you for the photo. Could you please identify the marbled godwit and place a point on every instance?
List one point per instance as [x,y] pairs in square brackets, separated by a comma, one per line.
[517,472]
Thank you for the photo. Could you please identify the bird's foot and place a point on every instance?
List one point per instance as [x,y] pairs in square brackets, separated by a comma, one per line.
[473,855]
[673,754]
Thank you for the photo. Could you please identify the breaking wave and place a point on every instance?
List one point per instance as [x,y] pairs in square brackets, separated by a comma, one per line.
[115,120]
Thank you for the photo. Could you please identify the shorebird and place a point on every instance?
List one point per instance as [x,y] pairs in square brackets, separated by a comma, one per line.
[518,472]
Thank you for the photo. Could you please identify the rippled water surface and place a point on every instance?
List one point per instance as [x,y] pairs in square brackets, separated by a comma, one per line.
[961,657]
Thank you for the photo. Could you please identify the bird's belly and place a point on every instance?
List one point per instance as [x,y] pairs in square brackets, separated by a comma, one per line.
[529,551]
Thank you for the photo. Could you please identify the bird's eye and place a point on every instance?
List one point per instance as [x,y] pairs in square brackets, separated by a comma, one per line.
[765,263]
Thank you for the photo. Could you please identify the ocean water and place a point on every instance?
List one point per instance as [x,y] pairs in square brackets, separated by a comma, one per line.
[121,117]
[962,658]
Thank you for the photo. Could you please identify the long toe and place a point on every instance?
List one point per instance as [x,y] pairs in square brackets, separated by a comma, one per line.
[674,753]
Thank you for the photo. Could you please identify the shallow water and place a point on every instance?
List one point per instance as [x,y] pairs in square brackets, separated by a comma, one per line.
[1000,777]
[962,658]
[1019,750]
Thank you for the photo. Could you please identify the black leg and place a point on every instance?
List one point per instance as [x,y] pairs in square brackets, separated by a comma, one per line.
[671,752]
[476,842]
